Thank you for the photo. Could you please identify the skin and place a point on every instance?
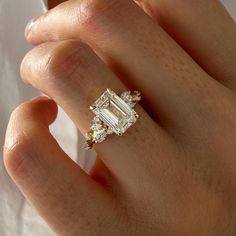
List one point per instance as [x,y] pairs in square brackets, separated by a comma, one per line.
[174,171]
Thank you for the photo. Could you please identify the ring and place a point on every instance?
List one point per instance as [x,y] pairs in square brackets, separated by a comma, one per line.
[113,114]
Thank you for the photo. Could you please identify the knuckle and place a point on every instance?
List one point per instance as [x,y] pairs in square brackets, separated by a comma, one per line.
[18,112]
[91,13]
[18,156]
[53,63]
[49,66]
[25,67]
[30,65]
[19,147]
[63,62]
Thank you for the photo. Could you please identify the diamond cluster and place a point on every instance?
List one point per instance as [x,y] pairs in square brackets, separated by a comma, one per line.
[131,99]
[113,114]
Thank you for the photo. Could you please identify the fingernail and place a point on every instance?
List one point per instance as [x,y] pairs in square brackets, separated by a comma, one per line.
[30,26]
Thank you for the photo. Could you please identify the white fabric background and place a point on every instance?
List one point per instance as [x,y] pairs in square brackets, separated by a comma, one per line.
[17,217]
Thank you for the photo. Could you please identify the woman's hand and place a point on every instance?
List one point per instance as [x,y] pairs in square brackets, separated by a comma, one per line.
[174,171]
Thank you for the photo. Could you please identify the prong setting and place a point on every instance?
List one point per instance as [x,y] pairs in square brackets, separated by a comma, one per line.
[113,114]
[109,90]
[93,107]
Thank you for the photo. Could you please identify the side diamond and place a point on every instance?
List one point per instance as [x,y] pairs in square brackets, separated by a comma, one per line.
[100,136]
[131,98]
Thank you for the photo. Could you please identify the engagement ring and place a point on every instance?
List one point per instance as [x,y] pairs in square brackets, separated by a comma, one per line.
[113,114]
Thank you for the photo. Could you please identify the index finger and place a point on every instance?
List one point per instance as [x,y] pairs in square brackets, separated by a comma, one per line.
[56,186]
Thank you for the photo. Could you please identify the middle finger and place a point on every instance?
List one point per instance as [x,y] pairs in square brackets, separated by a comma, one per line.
[137,49]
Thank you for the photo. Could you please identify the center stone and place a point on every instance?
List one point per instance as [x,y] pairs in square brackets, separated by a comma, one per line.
[114,112]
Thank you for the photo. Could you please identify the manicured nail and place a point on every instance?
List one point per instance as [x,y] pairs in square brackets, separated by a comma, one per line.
[30,25]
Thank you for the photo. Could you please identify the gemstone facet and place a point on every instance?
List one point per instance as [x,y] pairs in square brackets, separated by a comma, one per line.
[131,98]
[116,113]
[113,114]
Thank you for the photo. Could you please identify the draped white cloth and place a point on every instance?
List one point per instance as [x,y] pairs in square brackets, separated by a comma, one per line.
[17,217]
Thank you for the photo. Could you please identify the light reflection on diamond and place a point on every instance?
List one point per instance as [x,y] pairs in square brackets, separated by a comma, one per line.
[114,112]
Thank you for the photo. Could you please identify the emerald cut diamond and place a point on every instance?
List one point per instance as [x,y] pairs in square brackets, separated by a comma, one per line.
[117,114]
[113,114]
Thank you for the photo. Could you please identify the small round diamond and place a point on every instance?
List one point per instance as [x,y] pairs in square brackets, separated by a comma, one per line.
[96,127]
[100,136]
[89,135]
[97,120]
[131,99]
[110,131]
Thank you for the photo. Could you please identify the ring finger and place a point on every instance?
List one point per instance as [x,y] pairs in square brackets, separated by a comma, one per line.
[141,53]
[72,74]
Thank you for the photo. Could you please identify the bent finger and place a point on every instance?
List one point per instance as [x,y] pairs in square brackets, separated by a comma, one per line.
[72,74]
[55,185]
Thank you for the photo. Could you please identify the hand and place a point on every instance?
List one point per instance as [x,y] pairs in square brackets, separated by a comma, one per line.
[174,171]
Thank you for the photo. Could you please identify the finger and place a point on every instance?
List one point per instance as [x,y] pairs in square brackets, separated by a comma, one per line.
[204,29]
[75,77]
[139,52]
[59,190]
